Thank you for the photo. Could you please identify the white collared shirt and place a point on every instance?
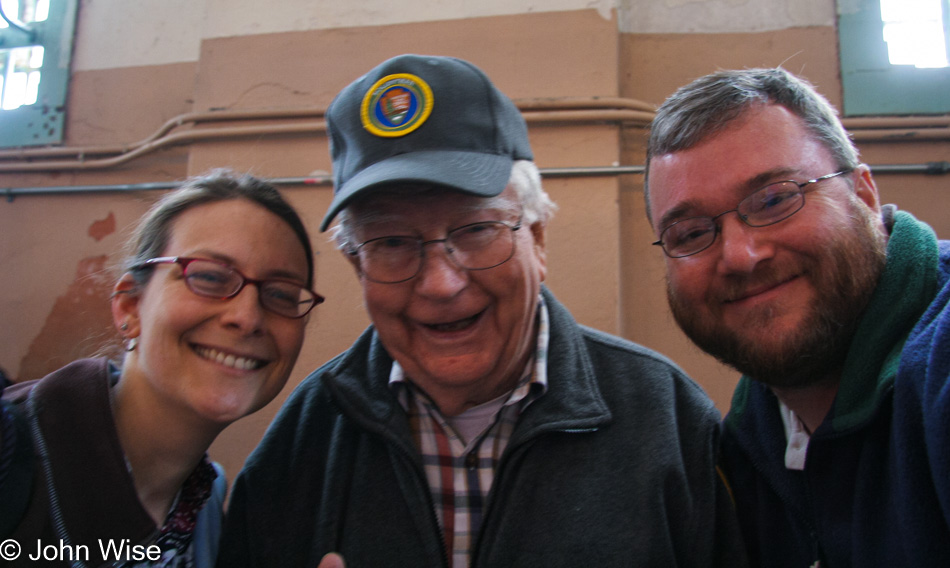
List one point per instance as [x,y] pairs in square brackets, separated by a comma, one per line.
[797,437]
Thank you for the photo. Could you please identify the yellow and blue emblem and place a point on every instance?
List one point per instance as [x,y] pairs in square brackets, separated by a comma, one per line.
[396,105]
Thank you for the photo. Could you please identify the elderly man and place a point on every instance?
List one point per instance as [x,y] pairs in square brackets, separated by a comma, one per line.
[475,423]
[782,263]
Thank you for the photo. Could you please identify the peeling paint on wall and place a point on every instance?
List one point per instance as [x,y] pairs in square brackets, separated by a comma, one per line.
[101,229]
[79,325]
[604,7]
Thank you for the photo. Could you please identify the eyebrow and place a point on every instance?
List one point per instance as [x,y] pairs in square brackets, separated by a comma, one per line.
[279,274]
[756,182]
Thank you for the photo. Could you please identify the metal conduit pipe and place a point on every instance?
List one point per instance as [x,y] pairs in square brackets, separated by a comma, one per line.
[213,116]
[896,122]
[13,192]
[171,124]
[177,138]
[543,110]
[309,127]
[568,103]
[931,168]
[637,117]
[901,135]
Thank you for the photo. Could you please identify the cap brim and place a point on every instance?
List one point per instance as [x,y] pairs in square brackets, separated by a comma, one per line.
[484,175]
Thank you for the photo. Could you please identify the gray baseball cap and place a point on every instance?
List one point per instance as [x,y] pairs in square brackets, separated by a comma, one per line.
[423,119]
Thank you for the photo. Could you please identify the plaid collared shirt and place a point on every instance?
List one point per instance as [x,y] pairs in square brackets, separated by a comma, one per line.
[460,472]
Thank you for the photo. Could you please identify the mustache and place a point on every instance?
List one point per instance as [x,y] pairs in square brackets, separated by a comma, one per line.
[736,287]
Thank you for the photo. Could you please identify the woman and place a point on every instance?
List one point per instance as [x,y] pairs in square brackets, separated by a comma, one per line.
[212,304]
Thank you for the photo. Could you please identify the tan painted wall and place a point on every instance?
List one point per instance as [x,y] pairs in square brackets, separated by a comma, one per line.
[55,250]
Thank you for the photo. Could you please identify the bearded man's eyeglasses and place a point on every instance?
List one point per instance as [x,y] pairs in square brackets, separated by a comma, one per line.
[766,206]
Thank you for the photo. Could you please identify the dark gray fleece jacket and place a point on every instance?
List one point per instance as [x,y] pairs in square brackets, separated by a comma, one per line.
[615,465]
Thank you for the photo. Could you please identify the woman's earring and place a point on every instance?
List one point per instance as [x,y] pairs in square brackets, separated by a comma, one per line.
[124,327]
[132,344]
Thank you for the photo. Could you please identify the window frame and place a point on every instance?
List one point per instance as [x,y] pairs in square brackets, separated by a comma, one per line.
[43,122]
[870,84]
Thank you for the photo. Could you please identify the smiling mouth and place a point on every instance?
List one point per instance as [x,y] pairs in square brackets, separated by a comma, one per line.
[757,290]
[457,325]
[229,360]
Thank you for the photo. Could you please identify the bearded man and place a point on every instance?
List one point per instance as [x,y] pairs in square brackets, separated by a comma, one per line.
[782,263]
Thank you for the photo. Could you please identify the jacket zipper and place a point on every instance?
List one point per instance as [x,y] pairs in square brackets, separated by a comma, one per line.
[427,491]
[59,524]
[499,474]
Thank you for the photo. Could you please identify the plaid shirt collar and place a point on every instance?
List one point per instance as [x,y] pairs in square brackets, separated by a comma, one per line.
[460,472]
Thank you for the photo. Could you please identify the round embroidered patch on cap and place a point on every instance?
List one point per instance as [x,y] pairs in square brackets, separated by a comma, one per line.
[396,105]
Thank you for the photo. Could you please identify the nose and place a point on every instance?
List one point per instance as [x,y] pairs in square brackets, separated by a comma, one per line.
[742,247]
[439,276]
[244,311]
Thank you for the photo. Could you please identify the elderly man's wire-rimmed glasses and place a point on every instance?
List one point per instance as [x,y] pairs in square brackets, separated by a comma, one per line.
[397,258]
[214,279]
[766,206]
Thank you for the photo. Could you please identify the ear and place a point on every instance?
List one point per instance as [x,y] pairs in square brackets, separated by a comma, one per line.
[125,306]
[539,236]
[865,189]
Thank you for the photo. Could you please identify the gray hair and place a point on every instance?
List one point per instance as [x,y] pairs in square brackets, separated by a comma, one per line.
[525,179]
[710,104]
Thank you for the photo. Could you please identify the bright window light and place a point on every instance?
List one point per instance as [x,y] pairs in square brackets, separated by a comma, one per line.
[42,11]
[36,57]
[33,11]
[21,69]
[12,9]
[913,30]
[15,92]
[32,91]
[36,46]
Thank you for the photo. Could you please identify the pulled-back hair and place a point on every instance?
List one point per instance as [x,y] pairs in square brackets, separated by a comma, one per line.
[710,104]
[152,233]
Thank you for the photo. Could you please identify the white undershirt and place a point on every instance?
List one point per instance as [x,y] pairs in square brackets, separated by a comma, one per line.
[470,424]
[797,437]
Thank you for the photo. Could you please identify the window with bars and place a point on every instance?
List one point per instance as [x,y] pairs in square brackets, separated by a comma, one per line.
[36,38]
[894,56]
[915,32]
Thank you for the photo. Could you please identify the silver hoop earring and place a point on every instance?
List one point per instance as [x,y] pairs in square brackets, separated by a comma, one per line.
[132,344]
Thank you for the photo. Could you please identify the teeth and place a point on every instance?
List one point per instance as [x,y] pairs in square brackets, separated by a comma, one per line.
[228,360]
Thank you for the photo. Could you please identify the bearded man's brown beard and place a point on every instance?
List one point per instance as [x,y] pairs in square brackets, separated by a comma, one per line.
[845,277]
